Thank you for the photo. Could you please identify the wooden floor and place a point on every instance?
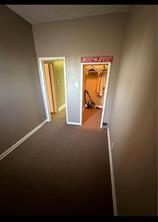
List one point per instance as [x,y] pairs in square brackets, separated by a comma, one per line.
[91,118]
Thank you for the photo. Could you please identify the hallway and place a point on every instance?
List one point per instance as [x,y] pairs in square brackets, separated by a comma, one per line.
[61,170]
[64,169]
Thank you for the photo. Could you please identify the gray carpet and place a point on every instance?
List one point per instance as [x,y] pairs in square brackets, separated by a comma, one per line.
[59,171]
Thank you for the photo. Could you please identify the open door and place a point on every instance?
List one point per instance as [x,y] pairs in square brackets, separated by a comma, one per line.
[53,82]
[95,81]
[49,77]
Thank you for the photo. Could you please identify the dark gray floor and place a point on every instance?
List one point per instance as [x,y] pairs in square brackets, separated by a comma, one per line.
[59,171]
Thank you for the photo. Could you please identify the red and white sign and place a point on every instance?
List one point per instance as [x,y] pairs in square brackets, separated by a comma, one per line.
[97,59]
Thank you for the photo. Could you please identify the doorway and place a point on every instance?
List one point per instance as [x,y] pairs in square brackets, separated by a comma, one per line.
[53,84]
[95,81]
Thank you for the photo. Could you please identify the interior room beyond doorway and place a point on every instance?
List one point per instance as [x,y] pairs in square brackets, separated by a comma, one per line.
[55,86]
[94,87]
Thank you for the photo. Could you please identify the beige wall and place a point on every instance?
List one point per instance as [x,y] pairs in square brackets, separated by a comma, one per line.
[90,36]
[91,85]
[58,71]
[133,120]
[21,106]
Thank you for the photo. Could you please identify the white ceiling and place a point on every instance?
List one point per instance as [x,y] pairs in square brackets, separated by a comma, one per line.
[43,13]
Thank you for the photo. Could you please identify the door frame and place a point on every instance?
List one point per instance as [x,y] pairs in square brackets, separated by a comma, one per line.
[105,91]
[43,85]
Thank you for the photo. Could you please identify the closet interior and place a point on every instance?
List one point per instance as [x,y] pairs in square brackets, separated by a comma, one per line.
[94,83]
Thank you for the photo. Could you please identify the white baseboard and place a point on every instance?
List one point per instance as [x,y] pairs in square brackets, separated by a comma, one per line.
[61,107]
[112,176]
[73,123]
[9,150]
[99,106]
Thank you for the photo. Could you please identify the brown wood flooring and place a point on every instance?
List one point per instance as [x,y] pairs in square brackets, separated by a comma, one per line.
[91,118]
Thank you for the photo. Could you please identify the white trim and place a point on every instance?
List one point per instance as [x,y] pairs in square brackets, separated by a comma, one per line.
[65,84]
[43,89]
[74,123]
[43,85]
[9,150]
[81,94]
[61,107]
[94,63]
[105,92]
[112,176]
[99,106]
